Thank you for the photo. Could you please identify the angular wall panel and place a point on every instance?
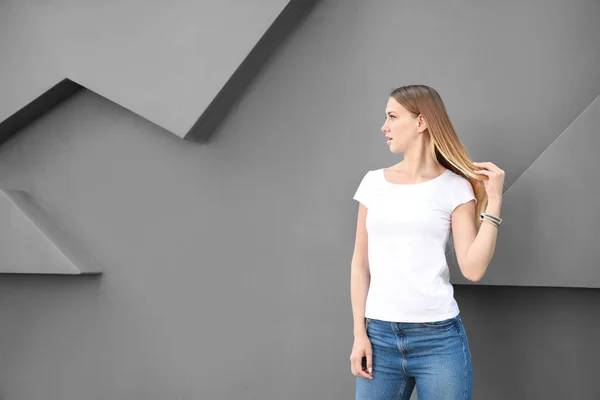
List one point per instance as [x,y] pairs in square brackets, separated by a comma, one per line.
[551,228]
[31,243]
[181,65]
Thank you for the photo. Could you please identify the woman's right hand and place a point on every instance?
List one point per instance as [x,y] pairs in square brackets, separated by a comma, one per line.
[362,348]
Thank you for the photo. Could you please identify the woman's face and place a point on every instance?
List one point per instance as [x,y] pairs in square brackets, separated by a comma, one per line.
[401,126]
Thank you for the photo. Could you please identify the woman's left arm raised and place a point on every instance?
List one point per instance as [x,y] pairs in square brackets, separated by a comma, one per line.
[474,249]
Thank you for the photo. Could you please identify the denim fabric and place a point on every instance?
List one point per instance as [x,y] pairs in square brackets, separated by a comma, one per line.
[434,356]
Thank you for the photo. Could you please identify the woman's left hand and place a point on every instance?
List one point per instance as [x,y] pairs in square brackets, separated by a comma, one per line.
[495,182]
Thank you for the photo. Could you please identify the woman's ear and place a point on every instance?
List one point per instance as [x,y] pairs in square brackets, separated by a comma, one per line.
[422,123]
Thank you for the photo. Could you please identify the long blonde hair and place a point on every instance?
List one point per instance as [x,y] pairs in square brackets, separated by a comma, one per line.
[445,147]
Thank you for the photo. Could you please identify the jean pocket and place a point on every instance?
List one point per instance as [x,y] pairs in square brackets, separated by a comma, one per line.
[439,324]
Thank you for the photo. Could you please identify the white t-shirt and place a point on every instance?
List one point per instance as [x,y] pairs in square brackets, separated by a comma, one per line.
[408,226]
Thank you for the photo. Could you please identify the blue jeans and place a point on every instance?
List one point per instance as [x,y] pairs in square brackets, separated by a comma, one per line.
[433,355]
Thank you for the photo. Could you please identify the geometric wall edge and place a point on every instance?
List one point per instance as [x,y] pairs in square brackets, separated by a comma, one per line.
[209,118]
[31,243]
[290,18]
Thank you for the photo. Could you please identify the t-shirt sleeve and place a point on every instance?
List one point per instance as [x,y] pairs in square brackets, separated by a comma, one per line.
[463,193]
[363,193]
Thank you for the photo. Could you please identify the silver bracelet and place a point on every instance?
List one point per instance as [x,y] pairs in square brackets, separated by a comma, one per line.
[490,216]
[497,225]
[492,219]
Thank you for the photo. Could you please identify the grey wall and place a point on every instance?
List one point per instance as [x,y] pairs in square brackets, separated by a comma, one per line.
[165,61]
[226,265]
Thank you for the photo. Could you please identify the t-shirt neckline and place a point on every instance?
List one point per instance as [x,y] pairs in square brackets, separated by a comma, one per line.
[411,184]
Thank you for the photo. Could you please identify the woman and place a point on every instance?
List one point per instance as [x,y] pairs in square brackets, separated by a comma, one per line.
[407,325]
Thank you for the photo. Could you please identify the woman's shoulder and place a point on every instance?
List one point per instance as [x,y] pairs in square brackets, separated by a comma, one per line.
[376,176]
[455,175]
